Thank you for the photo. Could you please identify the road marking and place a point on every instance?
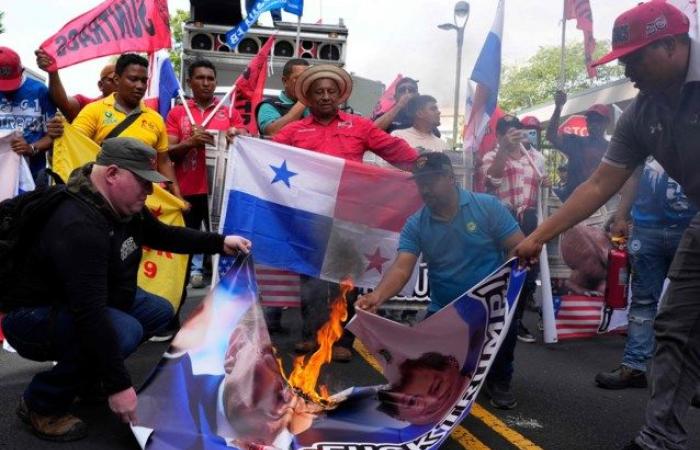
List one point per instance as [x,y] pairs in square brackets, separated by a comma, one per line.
[512,436]
[467,440]
[461,434]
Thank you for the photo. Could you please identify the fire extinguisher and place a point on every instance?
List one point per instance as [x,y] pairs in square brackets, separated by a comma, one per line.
[616,287]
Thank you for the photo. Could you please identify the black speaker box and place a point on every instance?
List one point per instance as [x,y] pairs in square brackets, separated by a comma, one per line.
[217,12]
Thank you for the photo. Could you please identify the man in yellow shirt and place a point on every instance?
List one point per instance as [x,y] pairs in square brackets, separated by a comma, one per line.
[98,119]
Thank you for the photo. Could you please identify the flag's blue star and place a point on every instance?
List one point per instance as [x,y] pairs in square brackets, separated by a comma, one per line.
[282,174]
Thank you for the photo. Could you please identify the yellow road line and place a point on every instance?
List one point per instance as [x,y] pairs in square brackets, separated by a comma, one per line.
[460,434]
[467,440]
[504,430]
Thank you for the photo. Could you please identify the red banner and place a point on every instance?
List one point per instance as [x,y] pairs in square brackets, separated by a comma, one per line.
[581,11]
[113,27]
[250,85]
[386,101]
[574,125]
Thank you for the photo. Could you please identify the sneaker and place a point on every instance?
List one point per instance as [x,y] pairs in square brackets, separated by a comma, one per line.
[621,378]
[524,334]
[305,347]
[63,428]
[197,281]
[341,354]
[500,395]
[163,336]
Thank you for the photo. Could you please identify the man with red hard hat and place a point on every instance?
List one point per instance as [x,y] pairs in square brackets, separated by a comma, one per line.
[651,40]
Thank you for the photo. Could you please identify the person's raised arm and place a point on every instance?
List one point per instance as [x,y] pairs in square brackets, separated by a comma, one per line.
[271,128]
[391,283]
[384,121]
[68,105]
[553,126]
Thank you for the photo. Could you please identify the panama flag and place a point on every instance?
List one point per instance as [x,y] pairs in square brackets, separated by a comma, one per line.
[481,101]
[162,83]
[316,214]
[15,176]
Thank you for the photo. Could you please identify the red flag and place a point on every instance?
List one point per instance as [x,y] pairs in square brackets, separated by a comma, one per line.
[386,101]
[581,11]
[112,27]
[250,85]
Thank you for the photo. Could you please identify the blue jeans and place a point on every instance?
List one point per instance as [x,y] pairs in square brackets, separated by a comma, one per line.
[45,335]
[651,252]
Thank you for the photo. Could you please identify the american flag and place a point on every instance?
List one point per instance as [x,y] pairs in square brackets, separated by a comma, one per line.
[578,316]
[278,287]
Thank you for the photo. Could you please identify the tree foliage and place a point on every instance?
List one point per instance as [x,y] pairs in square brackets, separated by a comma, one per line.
[2,30]
[525,85]
[176,20]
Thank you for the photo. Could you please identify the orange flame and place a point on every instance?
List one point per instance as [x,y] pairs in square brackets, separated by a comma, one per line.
[306,371]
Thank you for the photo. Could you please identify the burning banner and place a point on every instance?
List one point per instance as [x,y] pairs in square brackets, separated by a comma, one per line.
[222,384]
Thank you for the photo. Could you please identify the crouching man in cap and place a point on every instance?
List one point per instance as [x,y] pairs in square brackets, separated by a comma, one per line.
[75,298]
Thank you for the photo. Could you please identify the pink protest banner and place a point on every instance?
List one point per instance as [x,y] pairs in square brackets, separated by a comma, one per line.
[112,27]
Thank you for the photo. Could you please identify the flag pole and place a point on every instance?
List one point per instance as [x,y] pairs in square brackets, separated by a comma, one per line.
[298,52]
[562,77]
[218,106]
[185,105]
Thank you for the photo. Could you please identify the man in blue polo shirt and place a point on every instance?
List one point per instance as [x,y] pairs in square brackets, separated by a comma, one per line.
[463,237]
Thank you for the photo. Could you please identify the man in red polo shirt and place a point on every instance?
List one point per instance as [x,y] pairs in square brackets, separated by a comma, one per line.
[186,147]
[333,132]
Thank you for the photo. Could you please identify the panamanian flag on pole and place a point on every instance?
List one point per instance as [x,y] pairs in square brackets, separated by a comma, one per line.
[15,176]
[316,214]
[163,86]
[482,100]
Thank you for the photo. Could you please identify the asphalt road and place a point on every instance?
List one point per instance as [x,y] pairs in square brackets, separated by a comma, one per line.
[559,405]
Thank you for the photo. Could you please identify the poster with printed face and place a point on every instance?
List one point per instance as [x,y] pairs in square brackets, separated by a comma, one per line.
[221,384]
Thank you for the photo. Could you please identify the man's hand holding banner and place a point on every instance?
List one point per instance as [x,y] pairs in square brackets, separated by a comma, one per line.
[220,385]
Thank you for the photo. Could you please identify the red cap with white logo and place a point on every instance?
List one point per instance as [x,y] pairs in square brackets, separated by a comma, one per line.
[10,70]
[642,25]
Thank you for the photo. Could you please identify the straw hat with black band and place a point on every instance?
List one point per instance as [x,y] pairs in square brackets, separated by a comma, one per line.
[307,77]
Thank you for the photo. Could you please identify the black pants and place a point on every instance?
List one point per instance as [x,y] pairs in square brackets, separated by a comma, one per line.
[194,218]
[502,369]
[316,296]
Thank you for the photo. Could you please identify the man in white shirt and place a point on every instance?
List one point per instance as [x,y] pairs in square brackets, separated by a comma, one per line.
[425,116]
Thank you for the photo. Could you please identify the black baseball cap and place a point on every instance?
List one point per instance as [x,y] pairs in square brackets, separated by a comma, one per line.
[132,155]
[434,163]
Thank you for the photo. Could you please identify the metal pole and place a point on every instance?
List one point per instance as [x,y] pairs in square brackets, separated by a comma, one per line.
[298,35]
[562,76]
[458,75]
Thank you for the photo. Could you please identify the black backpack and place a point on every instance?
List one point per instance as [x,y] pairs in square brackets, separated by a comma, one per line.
[21,218]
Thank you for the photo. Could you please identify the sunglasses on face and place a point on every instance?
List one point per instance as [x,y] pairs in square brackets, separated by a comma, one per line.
[407,89]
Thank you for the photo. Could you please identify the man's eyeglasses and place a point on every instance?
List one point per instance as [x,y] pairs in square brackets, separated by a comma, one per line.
[105,79]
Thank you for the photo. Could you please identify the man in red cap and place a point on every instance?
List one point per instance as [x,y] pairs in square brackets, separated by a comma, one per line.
[651,40]
[584,153]
[25,107]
